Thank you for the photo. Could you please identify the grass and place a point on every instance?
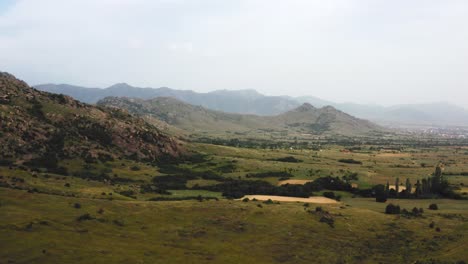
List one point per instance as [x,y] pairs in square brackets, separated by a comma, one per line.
[42,226]
[217,232]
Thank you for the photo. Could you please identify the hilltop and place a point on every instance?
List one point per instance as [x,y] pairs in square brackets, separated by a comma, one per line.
[240,101]
[39,127]
[303,119]
[250,101]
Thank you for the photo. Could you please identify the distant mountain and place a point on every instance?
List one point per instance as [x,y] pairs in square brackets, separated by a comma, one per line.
[240,101]
[304,119]
[438,114]
[42,127]
[252,102]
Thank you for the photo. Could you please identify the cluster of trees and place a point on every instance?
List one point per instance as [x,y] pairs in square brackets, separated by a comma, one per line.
[239,188]
[436,185]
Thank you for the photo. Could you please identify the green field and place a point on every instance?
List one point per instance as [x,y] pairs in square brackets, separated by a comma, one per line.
[116,222]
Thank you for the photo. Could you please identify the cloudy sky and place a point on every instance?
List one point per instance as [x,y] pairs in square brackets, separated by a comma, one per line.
[365,51]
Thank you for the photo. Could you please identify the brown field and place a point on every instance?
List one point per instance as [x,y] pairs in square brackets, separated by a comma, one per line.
[293,182]
[316,200]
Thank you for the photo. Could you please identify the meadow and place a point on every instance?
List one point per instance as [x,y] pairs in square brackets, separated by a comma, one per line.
[95,210]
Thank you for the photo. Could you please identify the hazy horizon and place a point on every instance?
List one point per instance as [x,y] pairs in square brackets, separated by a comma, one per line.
[372,52]
[233,90]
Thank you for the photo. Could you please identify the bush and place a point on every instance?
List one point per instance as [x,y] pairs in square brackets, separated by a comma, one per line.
[127,193]
[77,205]
[118,222]
[350,161]
[381,199]
[328,219]
[246,200]
[330,195]
[288,159]
[135,168]
[416,212]
[433,207]
[84,217]
[392,209]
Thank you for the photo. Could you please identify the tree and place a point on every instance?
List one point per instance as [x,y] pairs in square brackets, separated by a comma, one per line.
[408,187]
[436,180]
[418,191]
[380,194]
[425,187]
[397,186]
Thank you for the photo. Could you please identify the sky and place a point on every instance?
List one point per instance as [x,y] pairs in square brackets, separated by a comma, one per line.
[364,51]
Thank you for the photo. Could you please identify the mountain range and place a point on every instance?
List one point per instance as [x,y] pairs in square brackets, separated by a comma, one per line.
[252,102]
[303,120]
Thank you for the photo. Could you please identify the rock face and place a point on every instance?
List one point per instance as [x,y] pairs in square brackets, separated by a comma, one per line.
[37,125]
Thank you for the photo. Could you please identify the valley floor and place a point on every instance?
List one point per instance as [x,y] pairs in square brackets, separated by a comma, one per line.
[101,212]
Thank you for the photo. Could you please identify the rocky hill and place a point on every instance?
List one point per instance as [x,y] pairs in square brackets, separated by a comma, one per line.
[240,101]
[38,127]
[304,119]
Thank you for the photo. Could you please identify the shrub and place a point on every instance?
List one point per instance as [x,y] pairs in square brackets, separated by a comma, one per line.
[288,159]
[135,168]
[246,200]
[350,161]
[127,193]
[330,195]
[77,205]
[84,217]
[433,207]
[392,209]
[118,222]
[432,224]
[381,199]
[328,219]
[318,209]
[416,212]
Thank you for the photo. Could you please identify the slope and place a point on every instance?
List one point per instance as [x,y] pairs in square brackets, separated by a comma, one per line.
[38,127]
[304,119]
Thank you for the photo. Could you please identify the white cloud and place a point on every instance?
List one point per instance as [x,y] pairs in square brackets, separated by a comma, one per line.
[347,50]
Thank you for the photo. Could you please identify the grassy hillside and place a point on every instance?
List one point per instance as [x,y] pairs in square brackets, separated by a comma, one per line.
[40,228]
[86,184]
[81,218]
[305,120]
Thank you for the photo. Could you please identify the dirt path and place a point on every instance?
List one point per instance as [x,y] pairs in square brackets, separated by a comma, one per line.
[317,200]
